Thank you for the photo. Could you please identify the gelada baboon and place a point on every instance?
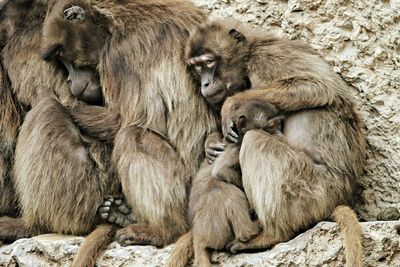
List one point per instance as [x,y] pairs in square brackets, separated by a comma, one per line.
[218,208]
[137,46]
[294,182]
[61,176]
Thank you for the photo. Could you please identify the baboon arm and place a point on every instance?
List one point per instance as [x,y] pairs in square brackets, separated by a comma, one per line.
[287,95]
[96,122]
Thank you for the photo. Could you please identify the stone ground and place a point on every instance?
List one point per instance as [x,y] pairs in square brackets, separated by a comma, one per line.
[320,246]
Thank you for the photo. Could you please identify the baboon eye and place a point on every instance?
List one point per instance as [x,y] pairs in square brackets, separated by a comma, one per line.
[211,64]
[198,68]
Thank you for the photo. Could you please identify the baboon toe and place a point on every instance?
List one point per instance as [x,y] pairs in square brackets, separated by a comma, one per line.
[114,210]
[234,246]
[126,237]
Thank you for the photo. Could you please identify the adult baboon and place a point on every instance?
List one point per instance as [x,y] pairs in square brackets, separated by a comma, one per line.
[163,119]
[158,149]
[61,176]
[301,179]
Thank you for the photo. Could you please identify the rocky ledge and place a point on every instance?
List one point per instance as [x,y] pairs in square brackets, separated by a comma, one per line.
[320,246]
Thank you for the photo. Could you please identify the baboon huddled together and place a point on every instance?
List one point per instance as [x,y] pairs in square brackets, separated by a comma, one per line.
[225,138]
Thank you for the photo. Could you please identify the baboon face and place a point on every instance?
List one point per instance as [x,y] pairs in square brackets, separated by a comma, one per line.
[73,32]
[216,59]
[72,36]
[257,115]
[84,83]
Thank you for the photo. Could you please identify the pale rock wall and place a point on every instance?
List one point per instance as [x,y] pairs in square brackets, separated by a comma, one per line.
[361,40]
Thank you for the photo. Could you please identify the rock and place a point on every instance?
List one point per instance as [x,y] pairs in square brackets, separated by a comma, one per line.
[389,214]
[320,246]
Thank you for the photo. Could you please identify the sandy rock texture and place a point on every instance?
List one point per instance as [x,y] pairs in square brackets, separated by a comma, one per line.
[320,246]
[361,39]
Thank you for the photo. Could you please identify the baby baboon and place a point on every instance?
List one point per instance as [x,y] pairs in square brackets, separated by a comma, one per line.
[304,177]
[218,208]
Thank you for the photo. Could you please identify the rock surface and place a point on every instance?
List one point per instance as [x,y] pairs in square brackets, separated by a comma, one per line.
[320,246]
[361,40]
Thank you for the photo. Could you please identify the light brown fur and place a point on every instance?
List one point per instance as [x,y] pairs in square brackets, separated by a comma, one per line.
[218,207]
[163,121]
[294,182]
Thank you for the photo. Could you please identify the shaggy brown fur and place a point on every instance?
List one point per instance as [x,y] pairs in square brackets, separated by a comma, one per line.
[138,48]
[10,120]
[60,175]
[294,182]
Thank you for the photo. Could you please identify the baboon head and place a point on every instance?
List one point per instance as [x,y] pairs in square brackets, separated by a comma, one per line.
[217,59]
[257,115]
[74,34]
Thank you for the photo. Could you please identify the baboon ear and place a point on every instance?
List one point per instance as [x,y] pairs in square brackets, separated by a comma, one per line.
[75,14]
[237,36]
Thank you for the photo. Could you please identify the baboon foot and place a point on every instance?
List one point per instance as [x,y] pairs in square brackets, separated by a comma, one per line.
[116,211]
[138,234]
[248,233]
[235,246]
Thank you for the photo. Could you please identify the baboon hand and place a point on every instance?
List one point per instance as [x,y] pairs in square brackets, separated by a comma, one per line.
[214,146]
[229,130]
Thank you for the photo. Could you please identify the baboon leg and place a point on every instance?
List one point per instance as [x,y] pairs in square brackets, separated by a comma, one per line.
[116,211]
[243,227]
[13,228]
[57,173]
[154,183]
[286,189]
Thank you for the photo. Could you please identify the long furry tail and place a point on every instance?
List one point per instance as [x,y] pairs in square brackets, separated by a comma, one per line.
[183,251]
[93,245]
[348,223]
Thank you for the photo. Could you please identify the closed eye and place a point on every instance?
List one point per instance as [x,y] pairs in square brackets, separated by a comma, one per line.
[198,68]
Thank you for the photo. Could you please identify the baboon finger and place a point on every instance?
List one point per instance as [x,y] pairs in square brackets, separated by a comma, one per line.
[213,153]
[124,209]
[218,146]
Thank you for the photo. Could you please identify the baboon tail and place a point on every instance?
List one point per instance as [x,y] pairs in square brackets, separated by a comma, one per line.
[183,251]
[348,223]
[93,245]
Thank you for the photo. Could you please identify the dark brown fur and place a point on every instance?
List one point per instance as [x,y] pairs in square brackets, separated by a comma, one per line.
[163,120]
[294,182]
[11,119]
[61,176]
